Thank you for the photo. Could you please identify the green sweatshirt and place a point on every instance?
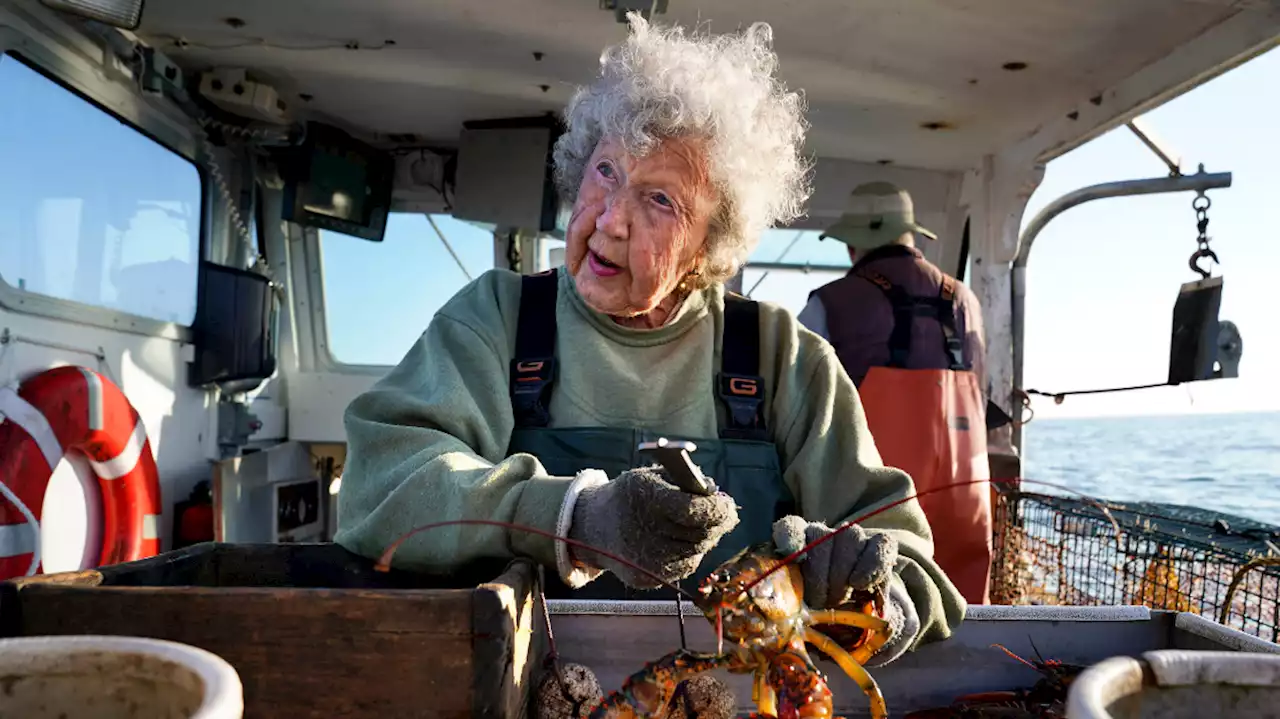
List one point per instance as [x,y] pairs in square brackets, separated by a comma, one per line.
[428,442]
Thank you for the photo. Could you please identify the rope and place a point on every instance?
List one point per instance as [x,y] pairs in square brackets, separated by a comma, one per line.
[8,339]
[1059,396]
[799,234]
[448,247]
[26,512]
[31,521]
[552,660]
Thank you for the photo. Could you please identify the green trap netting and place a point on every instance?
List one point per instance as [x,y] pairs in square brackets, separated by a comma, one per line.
[1054,549]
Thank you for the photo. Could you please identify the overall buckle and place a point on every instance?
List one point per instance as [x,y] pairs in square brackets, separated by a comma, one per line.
[743,395]
[530,390]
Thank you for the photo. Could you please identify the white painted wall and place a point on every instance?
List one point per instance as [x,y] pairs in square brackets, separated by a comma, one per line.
[147,358]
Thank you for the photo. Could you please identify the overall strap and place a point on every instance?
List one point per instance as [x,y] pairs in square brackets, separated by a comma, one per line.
[907,307]
[533,367]
[739,383]
[904,310]
[952,343]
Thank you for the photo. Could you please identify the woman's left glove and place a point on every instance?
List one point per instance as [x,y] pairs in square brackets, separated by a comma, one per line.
[854,560]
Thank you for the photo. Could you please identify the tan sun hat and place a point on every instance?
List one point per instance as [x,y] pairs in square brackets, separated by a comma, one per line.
[878,214]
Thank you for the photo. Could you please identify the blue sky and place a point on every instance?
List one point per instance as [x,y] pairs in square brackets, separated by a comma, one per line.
[1103,277]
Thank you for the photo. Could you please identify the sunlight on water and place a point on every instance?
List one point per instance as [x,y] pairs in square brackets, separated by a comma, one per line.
[1226,462]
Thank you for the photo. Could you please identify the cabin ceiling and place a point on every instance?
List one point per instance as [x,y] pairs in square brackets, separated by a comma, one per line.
[876,73]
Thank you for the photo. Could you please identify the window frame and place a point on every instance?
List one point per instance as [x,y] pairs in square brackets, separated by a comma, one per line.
[166,127]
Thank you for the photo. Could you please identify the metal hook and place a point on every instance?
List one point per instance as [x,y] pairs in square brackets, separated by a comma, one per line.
[1198,255]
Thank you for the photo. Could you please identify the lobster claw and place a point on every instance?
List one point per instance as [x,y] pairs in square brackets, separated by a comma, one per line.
[1200,254]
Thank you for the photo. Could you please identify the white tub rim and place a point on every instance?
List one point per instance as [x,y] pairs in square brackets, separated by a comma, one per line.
[1101,685]
[223,694]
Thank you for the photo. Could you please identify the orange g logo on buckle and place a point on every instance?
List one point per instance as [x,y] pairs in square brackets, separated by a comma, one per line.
[743,386]
[528,366]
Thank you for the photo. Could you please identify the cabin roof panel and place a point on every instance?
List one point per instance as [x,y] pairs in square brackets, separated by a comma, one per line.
[874,71]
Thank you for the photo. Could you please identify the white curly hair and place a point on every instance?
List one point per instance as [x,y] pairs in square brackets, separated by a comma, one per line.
[665,83]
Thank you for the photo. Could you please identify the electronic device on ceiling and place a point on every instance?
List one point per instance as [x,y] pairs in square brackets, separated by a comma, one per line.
[333,181]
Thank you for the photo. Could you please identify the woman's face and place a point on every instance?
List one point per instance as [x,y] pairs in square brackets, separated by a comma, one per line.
[639,225]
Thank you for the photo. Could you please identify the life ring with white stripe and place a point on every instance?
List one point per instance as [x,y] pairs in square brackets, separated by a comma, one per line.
[74,409]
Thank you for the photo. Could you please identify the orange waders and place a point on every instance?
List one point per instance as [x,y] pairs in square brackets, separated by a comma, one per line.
[932,425]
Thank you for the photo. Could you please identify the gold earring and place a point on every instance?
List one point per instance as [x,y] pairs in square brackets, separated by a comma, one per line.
[684,281]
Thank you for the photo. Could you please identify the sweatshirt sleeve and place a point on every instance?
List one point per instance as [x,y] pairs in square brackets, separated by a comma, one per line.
[832,466]
[428,443]
[814,317]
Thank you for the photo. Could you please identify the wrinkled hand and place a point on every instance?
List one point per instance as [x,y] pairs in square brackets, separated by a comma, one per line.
[642,517]
[854,560]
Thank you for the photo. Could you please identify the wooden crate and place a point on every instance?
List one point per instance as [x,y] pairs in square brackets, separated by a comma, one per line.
[312,630]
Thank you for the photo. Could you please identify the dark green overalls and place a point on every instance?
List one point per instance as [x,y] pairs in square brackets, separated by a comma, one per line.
[743,460]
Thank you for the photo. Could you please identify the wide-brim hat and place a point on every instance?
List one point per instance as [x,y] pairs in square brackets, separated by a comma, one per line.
[878,213]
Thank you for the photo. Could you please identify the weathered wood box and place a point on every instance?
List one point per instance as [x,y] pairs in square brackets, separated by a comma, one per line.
[312,629]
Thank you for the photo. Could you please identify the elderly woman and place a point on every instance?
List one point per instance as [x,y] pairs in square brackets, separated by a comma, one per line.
[525,398]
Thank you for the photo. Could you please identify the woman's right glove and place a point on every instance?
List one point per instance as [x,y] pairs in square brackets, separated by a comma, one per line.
[642,517]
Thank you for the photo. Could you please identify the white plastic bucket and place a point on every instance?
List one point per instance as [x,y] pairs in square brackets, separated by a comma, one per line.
[1175,683]
[105,677]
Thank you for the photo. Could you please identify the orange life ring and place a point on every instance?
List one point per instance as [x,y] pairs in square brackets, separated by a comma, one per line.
[74,409]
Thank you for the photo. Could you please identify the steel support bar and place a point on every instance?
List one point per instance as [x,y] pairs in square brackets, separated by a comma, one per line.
[1157,185]
[1171,159]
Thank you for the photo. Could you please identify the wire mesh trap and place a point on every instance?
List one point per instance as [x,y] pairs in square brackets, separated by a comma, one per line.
[1052,549]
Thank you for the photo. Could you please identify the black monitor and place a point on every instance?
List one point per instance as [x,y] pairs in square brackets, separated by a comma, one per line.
[235,327]
[336,182]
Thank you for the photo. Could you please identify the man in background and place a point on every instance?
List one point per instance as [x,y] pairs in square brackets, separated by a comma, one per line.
[910,337]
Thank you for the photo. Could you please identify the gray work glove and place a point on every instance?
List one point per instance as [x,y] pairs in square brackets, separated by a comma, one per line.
[855,560]
[642,517]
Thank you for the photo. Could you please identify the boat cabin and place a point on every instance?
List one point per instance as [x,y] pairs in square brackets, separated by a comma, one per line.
[220,222]
[241,214]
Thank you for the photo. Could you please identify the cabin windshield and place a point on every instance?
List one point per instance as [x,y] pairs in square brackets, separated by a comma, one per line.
[380,296]
[810,259]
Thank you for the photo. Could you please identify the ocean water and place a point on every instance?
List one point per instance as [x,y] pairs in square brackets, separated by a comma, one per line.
[1224,462]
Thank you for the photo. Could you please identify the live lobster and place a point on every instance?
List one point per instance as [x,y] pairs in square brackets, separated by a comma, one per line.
[1047,699]
[762,616]
[756,602]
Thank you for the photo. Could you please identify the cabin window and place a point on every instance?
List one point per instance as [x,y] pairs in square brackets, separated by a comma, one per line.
[92,210]
[379,297]
[790,286]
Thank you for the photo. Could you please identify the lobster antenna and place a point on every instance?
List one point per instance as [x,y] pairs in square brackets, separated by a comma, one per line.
[1008,651]
[1035,649]
[720,630]
[790,558]
[384,562]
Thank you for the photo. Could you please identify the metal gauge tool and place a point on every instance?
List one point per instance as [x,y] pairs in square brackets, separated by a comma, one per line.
[674,457]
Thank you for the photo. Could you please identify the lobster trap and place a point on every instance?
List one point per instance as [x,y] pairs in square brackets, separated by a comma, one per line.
[1058,550]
